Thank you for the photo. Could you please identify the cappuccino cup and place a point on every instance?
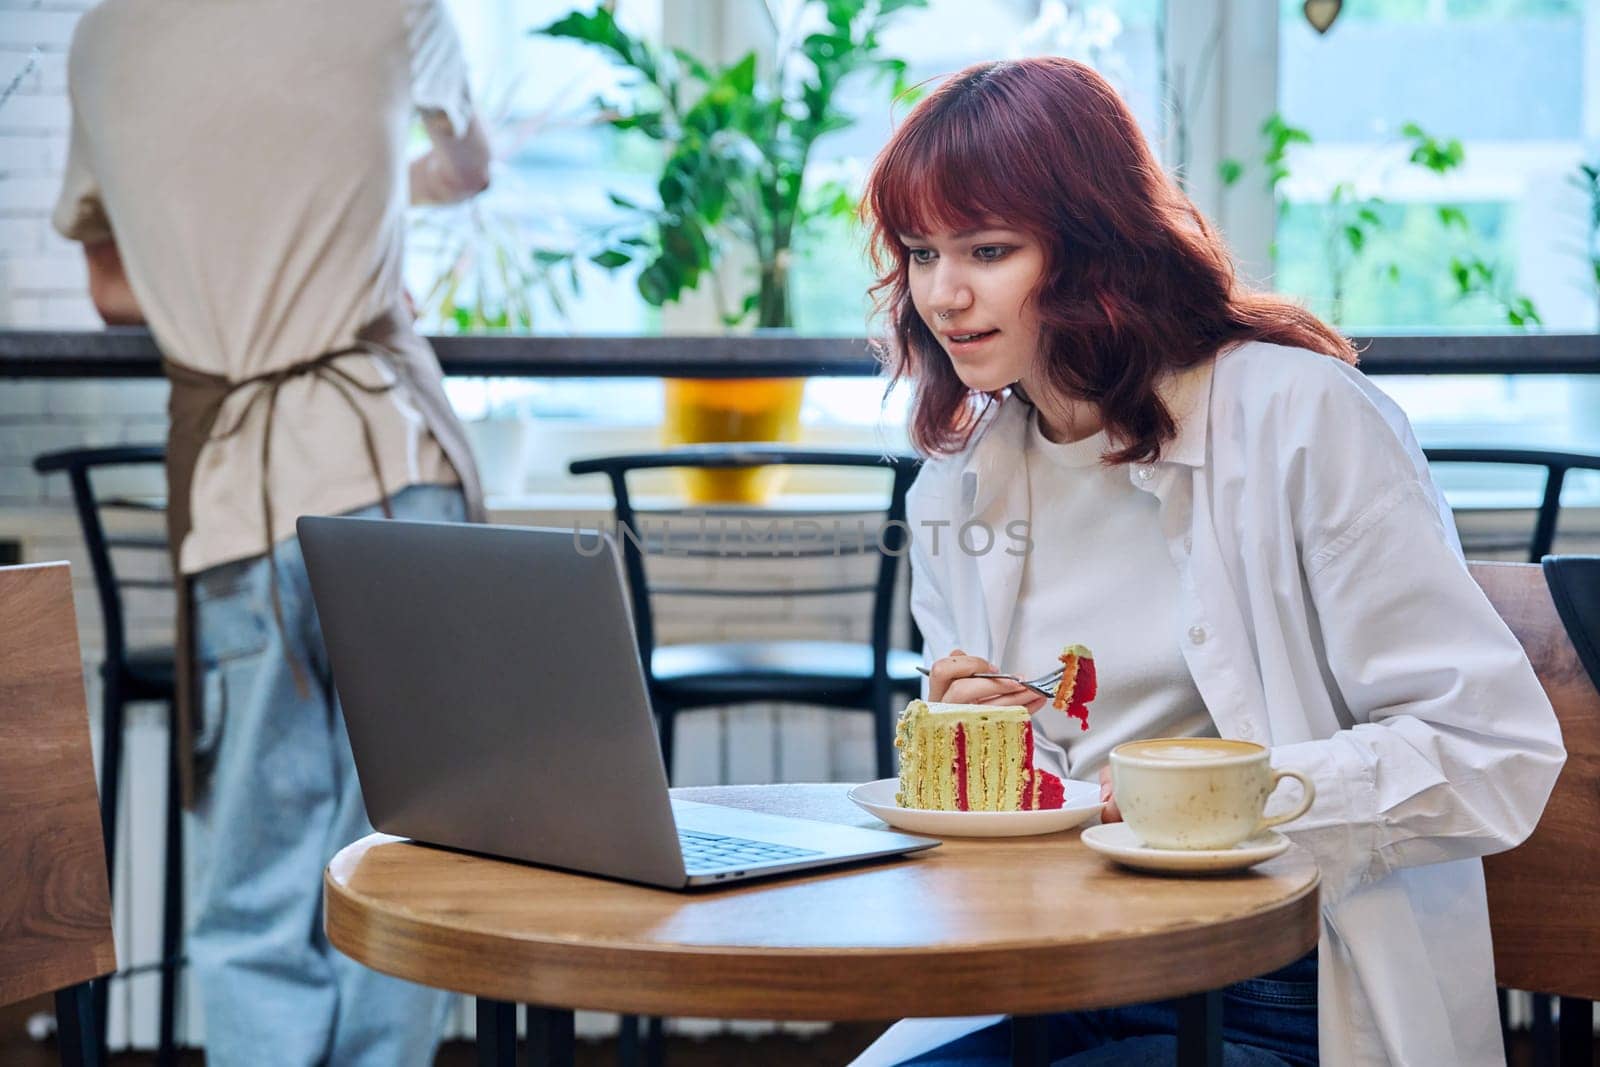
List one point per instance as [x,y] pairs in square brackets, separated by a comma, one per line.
[1198,793]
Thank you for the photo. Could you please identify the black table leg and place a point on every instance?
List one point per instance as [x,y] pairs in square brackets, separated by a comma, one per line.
[1030,1040]
[1577,1032]
[76,1030]
[1544,1032]
[655,1041]
[1200,1030]
[628,1041]
[550,1036]
[497,1033]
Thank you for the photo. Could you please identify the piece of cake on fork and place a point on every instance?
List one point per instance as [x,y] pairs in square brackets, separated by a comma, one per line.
[1077,686]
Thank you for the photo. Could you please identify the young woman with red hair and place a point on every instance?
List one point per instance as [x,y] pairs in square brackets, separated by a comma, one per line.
[1129,449]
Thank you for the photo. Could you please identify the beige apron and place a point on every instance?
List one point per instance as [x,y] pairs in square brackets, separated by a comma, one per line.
[196,402]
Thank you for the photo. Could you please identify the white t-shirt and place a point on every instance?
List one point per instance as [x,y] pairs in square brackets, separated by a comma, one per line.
[1098,574]
[250,158]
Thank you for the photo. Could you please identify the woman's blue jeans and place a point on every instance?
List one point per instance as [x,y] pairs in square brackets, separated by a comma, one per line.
[1266,1022]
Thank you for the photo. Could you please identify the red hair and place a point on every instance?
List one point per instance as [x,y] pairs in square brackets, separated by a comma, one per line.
[1135,284]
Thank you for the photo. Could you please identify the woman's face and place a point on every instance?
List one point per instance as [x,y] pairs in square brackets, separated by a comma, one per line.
[973,289]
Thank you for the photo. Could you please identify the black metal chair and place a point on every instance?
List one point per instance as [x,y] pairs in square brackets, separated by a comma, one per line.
[837,674]
[1555,464]
[129,675]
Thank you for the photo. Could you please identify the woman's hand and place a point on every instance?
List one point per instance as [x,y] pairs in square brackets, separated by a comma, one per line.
[1109,812]
[950,679]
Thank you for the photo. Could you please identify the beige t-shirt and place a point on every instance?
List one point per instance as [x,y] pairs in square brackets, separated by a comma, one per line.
[250,159]
[1098,574]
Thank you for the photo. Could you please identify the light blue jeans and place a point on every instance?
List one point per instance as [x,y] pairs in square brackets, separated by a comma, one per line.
[277,797]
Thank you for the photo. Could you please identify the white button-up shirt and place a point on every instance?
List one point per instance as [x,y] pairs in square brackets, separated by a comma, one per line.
[1332,619]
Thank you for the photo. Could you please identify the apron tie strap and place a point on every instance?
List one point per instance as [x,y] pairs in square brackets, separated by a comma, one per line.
[265,387]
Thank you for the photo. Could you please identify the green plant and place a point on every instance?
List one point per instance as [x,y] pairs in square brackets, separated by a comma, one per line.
[736,143]
[1473,275]
[490,276]
[1588,180]
[1350,220]
[493,262]
[1352,225]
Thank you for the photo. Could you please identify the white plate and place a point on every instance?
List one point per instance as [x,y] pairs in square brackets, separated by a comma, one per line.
[1082,802]
[1118,842]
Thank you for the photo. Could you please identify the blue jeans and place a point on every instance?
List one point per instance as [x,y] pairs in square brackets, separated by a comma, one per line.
[277,797]
[1266,1022]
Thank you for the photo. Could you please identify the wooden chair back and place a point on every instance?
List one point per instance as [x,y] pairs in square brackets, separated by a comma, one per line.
[1544,910]
[55,912]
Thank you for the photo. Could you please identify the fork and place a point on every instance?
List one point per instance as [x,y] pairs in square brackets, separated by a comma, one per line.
[1037,684]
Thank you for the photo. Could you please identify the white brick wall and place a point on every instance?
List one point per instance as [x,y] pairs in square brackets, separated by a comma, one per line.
[42,286]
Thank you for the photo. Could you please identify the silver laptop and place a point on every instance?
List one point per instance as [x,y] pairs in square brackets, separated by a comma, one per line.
[495,703]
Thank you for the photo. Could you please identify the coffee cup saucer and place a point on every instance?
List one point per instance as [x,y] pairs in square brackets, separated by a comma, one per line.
[1117,842]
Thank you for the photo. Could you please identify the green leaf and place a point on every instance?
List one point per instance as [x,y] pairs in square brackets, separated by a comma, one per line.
[843,12]
[611,259]
[599,28]
[1428,151]
[741,77]
[1523,310]
[824,49]
[658,285]
[1356,237]
[1453,216]
[650,123]
[1230,170]
[693,65]
[746,306]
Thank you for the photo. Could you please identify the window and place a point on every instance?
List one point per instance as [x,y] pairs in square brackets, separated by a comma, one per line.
[471,265]
[1440,188]
[1440,191]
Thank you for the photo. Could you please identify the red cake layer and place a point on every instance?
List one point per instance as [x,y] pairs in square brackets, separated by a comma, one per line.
[963,802]
[1041,790]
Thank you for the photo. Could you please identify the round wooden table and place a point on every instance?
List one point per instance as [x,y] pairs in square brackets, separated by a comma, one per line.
[1023,926]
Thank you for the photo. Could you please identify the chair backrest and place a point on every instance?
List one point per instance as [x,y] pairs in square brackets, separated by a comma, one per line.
[736,534]
[1555,464]
[1544,909]
[55,911]
[112,554]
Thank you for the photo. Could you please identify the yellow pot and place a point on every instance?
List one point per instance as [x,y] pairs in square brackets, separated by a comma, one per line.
[706,410]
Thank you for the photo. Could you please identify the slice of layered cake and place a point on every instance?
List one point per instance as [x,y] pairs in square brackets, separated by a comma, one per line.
[1078,685]
[970,757]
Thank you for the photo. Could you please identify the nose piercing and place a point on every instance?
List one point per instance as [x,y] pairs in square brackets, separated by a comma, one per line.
[942,315]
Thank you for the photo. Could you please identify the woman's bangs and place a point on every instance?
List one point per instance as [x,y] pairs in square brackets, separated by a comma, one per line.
[943,178]
[920,191]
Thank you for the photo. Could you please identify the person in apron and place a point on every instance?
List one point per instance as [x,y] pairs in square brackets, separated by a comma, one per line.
[251,210]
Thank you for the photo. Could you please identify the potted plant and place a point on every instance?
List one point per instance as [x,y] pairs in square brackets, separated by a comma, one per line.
[736,139]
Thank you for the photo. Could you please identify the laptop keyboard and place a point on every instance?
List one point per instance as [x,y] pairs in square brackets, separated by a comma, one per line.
[704,852]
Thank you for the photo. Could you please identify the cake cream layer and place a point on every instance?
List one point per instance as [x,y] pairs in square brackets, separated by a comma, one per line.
[965,757]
